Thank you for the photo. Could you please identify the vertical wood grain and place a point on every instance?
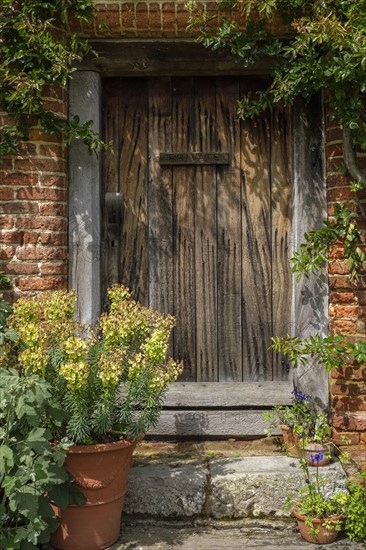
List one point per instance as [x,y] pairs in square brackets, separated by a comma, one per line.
[230,254]
[183,135]
[256,239]
[110,177]
[206,233]
[161,280]
[128,175]
[281,179]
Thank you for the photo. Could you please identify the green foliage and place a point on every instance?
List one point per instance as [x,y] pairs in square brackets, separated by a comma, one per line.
[324,48]
[331,351]
[302,417]
[313,253]
[37,52]
[111,381]
[355,523]
[31,467]
[314,500]
[7,335]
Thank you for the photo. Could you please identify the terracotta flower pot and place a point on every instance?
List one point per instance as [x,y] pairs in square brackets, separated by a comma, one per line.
[314,450]
[100,472]
[326,535]
[291,440]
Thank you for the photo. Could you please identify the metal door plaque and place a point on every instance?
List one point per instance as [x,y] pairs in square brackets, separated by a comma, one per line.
[171,158]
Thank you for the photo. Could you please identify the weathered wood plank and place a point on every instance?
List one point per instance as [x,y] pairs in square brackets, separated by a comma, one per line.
[84,201]
[256,242]
[229,264]
[228,394]
[310,300]
[281,188]
[154,58]
[111,227]
[132,184]
[188,423]
[127,175]
[160,198]
[205,234]
[183,129]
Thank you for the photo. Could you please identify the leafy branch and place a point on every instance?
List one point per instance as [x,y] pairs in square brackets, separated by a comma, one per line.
[313,253]
[38,54]
[323,48]
[331,351]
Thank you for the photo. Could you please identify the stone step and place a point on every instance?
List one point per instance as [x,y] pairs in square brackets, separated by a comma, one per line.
[219,488]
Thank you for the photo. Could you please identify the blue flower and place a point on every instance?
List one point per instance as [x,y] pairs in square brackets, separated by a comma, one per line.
[317,457]
[300,396]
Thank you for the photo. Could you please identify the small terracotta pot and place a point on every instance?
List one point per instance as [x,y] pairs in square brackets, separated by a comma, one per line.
[291,440]
[312,449]
[101,473]
[324,536]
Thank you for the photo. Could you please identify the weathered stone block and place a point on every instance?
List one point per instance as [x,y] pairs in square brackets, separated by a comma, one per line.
[259,486]
[167,490]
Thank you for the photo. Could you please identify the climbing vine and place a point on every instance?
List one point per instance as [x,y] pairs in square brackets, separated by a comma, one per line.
[38,53]
[324,48]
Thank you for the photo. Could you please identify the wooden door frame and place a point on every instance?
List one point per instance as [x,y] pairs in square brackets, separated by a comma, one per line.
[309,312]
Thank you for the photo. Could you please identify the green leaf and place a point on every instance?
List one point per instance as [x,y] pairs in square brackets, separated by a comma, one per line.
[6,458]
[63,498]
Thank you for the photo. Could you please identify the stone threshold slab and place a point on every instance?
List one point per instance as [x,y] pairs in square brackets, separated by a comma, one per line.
[220,488]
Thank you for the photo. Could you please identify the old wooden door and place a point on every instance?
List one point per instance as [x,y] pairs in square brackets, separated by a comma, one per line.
[197,224]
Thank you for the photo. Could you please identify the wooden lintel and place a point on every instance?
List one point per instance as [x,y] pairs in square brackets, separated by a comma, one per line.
[165,58]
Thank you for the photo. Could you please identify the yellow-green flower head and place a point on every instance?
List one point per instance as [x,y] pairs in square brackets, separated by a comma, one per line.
[33,360]
[31,333]
[58,305]
[76,374]
[156,347]
[110,368]
[76,348]
[118,294]
[76,369]
[24,311]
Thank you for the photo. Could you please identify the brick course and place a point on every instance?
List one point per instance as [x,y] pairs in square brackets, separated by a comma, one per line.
[33,207]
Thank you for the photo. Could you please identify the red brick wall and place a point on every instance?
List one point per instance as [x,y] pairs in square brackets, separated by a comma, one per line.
[159,19]
[347,309]
[33,206]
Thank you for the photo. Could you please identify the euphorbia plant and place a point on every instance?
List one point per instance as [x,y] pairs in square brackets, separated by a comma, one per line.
[110,379]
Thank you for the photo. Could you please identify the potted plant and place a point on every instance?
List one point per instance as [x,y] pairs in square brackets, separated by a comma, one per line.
[316,441]
[319,515]
[306,431]
[110,380]
[294,420]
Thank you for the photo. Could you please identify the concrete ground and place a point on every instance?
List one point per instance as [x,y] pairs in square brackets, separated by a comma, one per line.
[249,535]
